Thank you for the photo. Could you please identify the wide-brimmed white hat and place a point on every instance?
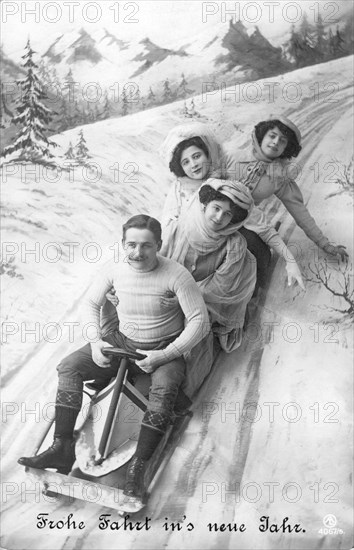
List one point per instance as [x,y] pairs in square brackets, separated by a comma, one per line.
[236,191]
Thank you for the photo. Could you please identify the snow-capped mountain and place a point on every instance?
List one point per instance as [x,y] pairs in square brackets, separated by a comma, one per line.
[9,69]
[102,57]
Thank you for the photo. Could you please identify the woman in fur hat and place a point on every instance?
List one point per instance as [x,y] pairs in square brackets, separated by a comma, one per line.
[264,168]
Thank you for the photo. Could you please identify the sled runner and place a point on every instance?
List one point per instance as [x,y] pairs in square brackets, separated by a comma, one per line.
[106,441]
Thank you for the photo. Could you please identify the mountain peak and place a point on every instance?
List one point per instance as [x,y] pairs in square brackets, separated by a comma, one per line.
[112,39]
[154,54]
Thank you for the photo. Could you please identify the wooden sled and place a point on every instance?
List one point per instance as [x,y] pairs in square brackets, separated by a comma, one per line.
[105,443]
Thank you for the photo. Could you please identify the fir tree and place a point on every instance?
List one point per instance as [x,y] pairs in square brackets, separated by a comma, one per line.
[338,42]
[5,114]
[55,80]
[167,92]
[2,116]
[348,33]
[182,90]
[32,116]
[81,149]
[151,97]
[124,102]
[69,154]
[96,112]
[134,96]
[320,39]
[78,116]
[43,73]
[90,113]
[69,95]
[331,43]
[64,121]
[307,37]
[106,113]
[295,47]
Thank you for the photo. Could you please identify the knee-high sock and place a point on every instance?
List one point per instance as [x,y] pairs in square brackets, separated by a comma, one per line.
[153,427]
[67,406]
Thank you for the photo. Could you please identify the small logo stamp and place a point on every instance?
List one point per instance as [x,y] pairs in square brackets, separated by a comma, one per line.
[330,521]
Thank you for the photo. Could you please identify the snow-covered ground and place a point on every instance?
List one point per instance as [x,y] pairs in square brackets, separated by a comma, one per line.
[296,362]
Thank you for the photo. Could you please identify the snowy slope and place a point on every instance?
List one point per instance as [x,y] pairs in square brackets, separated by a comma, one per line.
[216,449]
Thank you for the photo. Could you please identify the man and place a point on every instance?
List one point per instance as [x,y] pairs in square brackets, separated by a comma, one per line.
[141,281]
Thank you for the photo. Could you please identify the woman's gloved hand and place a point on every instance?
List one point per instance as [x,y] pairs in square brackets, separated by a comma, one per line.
[337,250]
[294,274]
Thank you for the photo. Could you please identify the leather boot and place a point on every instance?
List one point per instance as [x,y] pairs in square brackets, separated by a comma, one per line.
[60,455]
[134,481]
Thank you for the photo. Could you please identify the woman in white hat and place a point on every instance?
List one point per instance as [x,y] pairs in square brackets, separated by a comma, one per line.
[264,168]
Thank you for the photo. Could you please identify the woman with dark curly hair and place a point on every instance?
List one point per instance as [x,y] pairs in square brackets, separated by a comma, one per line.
[265,168]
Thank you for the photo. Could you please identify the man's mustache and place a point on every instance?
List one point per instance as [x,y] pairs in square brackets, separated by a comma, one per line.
[134,257]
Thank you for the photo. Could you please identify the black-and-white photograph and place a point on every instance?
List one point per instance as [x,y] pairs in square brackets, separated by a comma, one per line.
[177,275]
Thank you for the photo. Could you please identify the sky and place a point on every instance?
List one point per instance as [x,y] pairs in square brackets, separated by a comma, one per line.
[164,22]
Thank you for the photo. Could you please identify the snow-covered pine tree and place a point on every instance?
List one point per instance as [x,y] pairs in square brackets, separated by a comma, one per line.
[134,95]
[338,44]
[43,73]
[90,113]
[32,116]
[348,34]
[2,116]
[182,90]
[69,153]
[55,80]
[106,113]
[183,86]
[167,92]
[64,121]
[81,149]
[78,116]
[97,112]
[124,102]
[321,39]
[294,47]
[5,113]
[331,42]
[69,94]
[151,97]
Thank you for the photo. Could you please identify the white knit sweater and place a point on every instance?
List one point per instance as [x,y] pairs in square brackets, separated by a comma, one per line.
[141,316]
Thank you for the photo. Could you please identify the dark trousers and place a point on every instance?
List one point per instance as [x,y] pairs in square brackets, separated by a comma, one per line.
[261,252]
[79,366]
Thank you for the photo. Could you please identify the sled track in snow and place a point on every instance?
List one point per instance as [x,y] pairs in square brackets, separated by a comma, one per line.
[234,378]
